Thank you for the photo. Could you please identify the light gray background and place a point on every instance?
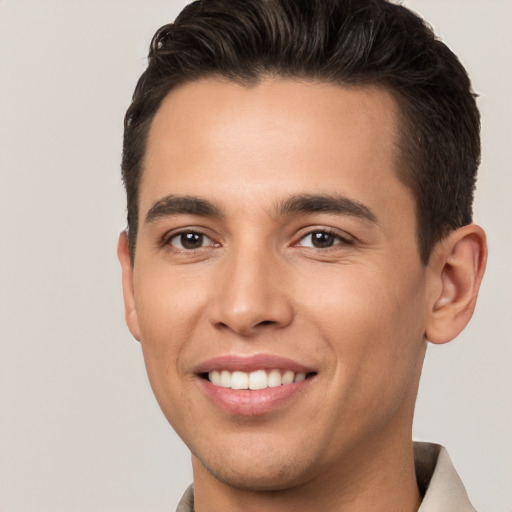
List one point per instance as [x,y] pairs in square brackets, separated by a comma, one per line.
[79,427]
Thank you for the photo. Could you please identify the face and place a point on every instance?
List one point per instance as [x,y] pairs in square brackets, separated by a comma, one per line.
[277,288]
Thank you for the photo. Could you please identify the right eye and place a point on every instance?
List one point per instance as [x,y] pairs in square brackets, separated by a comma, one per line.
[190,240]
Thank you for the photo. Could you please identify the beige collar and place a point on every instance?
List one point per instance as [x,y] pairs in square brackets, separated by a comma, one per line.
[438,481]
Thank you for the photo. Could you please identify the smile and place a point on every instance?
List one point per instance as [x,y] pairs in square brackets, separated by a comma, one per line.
[253,385]
[259,379]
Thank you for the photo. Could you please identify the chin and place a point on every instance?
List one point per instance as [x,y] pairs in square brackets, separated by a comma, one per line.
[260,470]
[262,479]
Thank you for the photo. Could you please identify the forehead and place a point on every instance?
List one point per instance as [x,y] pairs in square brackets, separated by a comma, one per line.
[278,137]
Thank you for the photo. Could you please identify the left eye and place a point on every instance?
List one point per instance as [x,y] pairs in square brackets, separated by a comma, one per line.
[321,240]
[190,240]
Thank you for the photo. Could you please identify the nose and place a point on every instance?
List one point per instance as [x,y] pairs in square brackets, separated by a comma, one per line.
[251,295]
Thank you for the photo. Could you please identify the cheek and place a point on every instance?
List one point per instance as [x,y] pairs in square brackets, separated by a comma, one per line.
[168,311]
[374,328]
[168,304]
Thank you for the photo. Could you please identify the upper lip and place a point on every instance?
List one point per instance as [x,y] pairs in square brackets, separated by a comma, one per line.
[251,363]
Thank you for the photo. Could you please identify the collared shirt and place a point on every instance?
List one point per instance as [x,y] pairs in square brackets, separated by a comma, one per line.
[441,486]
[439,483]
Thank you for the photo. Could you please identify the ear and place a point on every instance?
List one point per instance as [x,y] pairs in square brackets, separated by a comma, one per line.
[130,312]
[458,264]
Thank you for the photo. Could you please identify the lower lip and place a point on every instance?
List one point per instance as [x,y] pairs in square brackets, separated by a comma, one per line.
[247,402]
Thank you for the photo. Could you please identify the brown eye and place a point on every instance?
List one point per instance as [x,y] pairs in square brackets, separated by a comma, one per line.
[322,240]
[190,241]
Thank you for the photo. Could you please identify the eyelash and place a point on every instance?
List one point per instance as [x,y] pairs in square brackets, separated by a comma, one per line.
[167,240]
[339,240]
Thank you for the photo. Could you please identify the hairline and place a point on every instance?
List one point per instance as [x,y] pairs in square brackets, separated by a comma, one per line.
[406,157]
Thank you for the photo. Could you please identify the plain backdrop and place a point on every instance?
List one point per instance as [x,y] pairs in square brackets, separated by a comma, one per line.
[79,427]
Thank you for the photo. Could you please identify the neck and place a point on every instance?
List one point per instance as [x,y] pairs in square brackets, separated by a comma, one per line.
[381,475]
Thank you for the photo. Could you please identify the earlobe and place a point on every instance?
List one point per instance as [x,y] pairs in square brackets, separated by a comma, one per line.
[458,265]
[130,312]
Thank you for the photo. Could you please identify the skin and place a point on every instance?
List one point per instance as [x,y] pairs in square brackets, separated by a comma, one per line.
[358,312]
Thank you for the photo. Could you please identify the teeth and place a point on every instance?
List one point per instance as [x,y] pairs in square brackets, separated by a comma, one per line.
[215,378]
[287,378]
[239,380]
[259,379]
[274,379]
[225,379]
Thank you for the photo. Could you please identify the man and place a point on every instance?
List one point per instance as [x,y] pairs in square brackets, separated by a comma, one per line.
[299,177]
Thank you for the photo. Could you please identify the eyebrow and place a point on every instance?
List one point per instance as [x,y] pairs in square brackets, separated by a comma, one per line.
[182,205]
[172,205]
[335,204]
